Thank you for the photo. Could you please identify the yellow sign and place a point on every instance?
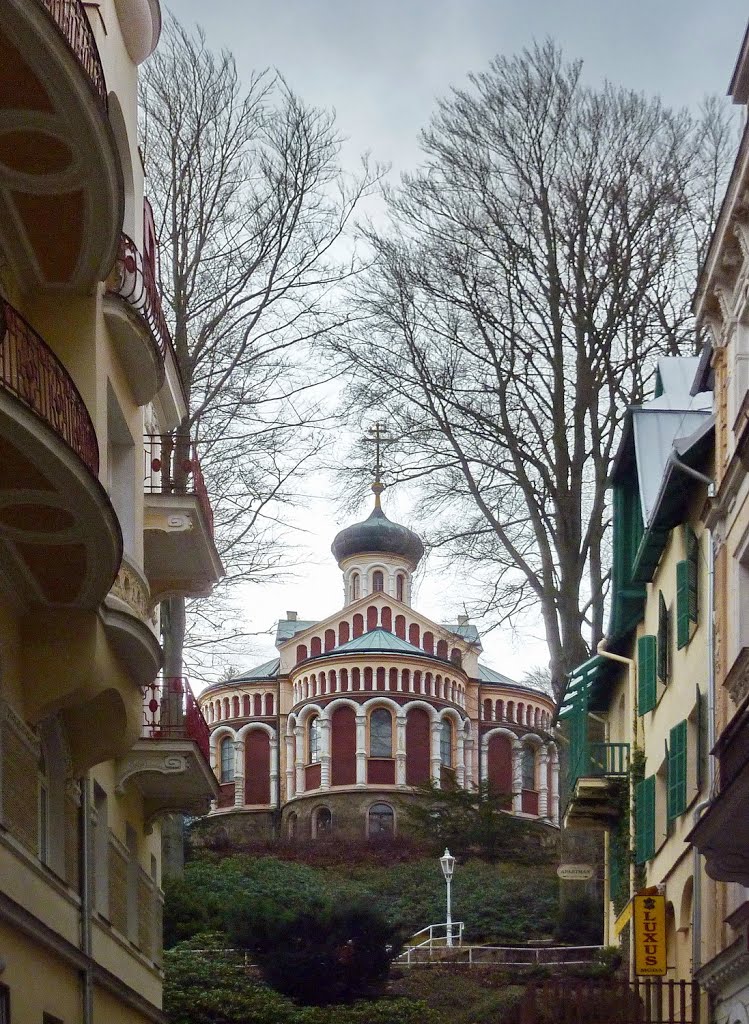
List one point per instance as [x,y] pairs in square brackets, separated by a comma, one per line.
[649,935]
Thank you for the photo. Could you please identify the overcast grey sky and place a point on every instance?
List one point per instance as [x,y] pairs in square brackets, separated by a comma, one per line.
[381,65]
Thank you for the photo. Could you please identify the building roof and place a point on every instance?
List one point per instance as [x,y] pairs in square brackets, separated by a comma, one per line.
[378,639]
[377,534]
[465,630]
[488,675]
[268,670]
[288,628]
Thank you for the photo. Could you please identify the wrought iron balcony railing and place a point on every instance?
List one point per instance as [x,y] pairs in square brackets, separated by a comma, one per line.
[70,18]
[173,467]
[171,712]
[597,760]
[31,372]
[134,281]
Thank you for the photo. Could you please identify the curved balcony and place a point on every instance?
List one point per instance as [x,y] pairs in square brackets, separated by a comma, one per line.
[180,555]
[61,542]
[136,319]
[170,764]
[61,180]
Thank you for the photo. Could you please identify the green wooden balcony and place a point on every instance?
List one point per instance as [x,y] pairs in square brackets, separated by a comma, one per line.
[596,773]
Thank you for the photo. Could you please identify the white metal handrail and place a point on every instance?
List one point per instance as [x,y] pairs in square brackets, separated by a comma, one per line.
[505,956]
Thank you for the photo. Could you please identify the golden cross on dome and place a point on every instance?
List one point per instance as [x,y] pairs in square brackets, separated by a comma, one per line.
[377,437]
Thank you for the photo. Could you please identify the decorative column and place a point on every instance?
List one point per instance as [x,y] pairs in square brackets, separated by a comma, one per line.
[543,782]
[555,787]
[324,725]
[361,750]
[275,795]
[517,776]
[400,750]
[484,759]
[299,758]
[290,780]
[460,768]
[400,676]
[435,761]
[239,773]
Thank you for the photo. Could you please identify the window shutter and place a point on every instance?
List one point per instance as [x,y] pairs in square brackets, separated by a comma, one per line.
[646,668]
[663,640]
[682,604]
[693,560]
[677,770]
[645,819]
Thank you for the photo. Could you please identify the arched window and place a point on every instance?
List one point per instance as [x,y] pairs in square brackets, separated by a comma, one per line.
[355,587]
[291,825]
[313,735]
[400,587]
[456,657]
[380,733]
[235,707]
[446,743]
[323,821]
[529,768]
[246,705]
[381,820]
[378,581]
[227,760]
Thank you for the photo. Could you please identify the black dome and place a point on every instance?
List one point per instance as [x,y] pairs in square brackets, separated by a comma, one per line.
[377,534]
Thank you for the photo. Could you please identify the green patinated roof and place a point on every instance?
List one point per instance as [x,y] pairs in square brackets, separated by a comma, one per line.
[488,675]
[268,670]
[378,639]
[287,628]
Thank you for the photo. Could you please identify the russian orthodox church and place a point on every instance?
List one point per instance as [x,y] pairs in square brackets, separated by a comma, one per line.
[360,708]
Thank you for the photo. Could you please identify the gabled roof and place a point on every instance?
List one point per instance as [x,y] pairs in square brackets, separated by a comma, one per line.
[288,628]
[377,639]
[465,630]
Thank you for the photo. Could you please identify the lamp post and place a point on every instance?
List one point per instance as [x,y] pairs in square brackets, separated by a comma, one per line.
[447,863]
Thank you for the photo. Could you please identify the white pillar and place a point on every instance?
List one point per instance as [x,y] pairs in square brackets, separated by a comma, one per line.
[290,780]
[517,776]
[274,793]
[400,681]
[239,773]
[484,759]
[460,769]
[543,782]
[400,750]
[324,725]
[555,787]
[299,758]
[435,762]
[361,750]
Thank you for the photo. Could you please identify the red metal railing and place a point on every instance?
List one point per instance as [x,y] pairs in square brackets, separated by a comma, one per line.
[170,711]
[173,467]
[31,371]
[70,18]
[135,281]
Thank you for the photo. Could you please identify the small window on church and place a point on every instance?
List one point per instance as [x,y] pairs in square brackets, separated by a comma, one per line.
[529,768]
[381,733]
[323,821]
[314,739]
[355,587]
[400,587]
[227,760]
[446,743]
[381,820]
[378,582]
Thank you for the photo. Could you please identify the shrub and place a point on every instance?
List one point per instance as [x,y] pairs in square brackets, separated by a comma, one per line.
[321,954]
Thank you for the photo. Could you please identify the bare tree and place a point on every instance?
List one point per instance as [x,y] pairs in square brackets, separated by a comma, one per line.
[530,273]
[252,211]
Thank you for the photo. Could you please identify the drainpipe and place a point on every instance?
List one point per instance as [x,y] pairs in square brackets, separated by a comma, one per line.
[629,662]
[87,985]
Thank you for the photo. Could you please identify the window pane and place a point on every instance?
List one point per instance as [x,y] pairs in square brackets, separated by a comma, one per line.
[227,761]
[381,819]
[314,740]
[323,821]
[446,744]
[380,733]
[529,768]
[378,581]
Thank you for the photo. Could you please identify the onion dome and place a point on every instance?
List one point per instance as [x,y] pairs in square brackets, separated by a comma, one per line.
[377,534]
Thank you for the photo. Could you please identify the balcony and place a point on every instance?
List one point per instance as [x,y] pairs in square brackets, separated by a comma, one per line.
[131,624]
[722,833]
[60,543]
[61,192]
[170,764]
[180,554]
[596,774]
[135,317]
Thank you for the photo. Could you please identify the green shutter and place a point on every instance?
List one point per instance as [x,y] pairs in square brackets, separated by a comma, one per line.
[615,867]
[693,563]
[645,819]
[682,604]
[677,770]
[663,640]
[646,668]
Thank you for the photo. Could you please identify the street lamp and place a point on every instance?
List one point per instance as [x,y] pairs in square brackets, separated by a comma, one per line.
[447,863]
